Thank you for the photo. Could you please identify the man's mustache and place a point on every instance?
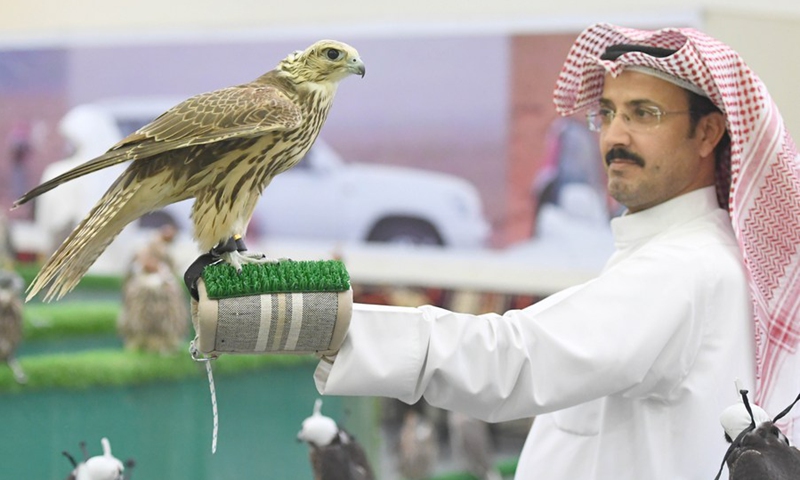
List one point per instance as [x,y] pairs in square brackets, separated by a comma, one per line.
[622,154]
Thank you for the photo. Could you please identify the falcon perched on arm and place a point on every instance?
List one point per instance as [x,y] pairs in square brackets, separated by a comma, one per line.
[221,148]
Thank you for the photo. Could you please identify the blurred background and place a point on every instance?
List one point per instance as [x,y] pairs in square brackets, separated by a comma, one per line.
[444,176]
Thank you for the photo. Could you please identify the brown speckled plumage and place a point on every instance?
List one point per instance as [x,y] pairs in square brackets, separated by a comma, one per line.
[221,148]
[154,315]
[11,286]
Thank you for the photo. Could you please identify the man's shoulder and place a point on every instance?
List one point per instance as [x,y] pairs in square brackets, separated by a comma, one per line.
[703,248]
[713,230]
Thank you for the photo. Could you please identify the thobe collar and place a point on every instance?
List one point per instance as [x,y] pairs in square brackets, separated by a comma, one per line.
[633,228]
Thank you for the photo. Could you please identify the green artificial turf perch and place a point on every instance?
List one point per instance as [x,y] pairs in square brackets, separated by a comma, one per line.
[222,280]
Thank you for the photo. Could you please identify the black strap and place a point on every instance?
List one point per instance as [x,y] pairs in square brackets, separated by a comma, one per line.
[786,410]
[70,458]
[195,271]
[613,52]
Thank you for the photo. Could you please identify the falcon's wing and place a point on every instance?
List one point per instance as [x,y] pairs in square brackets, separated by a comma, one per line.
[242,111]
[210,117]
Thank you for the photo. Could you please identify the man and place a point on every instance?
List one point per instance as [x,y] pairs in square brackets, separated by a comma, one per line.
[627,374]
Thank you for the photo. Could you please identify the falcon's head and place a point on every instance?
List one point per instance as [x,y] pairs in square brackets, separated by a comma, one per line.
[324,61]
[318,430]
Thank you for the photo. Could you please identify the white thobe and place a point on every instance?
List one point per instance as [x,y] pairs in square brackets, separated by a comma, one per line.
[627,374]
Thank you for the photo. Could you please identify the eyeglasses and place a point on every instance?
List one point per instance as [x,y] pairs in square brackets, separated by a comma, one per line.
[638,119]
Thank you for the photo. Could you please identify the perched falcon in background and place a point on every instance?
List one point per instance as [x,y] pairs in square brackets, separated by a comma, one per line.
[758,450]
[221,148]
[334,453]
[11,287]
[418,448]
[471,441]
[100,467]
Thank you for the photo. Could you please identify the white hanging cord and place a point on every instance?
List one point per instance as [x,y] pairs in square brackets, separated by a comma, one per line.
[215,414]
[196,356]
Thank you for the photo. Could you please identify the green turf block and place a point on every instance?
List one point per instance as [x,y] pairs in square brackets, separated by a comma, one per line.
[222,280]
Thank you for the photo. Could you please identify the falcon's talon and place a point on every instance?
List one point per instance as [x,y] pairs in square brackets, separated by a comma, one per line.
[237,259]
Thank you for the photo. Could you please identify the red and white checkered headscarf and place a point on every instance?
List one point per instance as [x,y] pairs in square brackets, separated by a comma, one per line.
[761,190]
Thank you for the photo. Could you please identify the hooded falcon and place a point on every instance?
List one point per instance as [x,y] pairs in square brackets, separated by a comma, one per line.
[334,453]
[221,148]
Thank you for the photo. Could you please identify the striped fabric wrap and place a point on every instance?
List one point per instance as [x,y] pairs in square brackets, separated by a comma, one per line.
[760,185]
[295,322]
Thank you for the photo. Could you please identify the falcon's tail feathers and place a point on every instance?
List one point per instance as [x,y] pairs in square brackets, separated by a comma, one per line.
[108,159]
[65,268]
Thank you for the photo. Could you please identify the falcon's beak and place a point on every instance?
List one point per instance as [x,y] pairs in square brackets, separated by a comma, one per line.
[357,67]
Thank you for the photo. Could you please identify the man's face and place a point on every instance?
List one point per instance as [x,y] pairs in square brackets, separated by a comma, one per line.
[651,166]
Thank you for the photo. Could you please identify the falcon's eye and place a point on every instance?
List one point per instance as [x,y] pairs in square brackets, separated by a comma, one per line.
[333,54]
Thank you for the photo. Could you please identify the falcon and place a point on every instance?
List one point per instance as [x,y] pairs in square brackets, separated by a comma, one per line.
[418,446]
[221,148]
[100,467]
[471,439]
[333,452]
[11,287]
[758,450]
